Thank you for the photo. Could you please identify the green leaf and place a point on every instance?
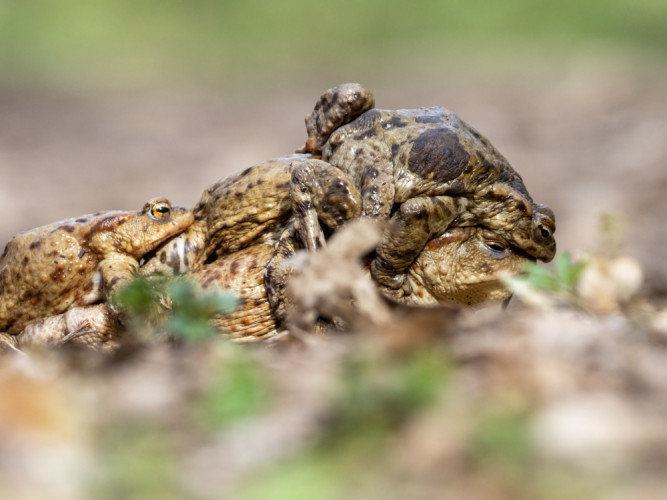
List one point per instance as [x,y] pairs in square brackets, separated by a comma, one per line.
[563,279]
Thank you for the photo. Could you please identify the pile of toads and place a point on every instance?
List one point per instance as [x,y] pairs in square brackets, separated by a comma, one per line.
[453,215]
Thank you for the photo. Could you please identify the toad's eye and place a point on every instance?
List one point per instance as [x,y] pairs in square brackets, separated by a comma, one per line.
[495,246]
[545,232]
[160,211]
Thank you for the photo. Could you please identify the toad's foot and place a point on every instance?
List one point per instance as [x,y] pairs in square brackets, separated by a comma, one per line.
[336,107]
[96,327]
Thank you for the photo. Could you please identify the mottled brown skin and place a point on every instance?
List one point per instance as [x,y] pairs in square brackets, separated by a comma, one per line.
[79,261]
[255,206]
[427,170]
[462,266]
[244,273]
[179,254]
[424,169]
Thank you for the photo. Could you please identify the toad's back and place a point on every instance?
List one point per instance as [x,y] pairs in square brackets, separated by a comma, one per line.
[45,271]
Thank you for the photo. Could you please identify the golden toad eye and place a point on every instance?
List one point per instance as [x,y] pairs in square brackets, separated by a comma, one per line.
[160,211]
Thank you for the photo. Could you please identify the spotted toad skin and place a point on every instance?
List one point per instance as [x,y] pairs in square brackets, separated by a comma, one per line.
[462,266]
[427,170]
[424,169]
[446,191]
[256,205]
[79,261]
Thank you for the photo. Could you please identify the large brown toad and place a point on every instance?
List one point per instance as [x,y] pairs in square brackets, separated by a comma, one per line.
[79,261]
[462,266]
[427,170]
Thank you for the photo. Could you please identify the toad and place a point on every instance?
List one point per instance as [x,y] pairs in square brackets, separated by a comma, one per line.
[426,170]
[461,266]
[79,261]
[256,206]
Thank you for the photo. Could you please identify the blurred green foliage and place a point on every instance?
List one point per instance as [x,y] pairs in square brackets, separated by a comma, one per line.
[347,468]
[177,307]
[240,389]
[135,42]
[378,393]
[193,307]
[138,463]
[563,278]
[501,438]
[381,392]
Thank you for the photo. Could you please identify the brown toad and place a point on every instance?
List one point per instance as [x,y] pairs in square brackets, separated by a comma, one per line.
[462,266]
[428,170]
[256,205]
[79,261]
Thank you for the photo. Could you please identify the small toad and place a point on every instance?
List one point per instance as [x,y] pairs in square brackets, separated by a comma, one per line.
[79,261]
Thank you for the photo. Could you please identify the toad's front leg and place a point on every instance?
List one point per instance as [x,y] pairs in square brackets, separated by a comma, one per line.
[321,192]
[416,222]
[114,272]
[279,270]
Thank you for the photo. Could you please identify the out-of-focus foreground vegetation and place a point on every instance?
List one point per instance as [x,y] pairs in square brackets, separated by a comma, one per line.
[122,42]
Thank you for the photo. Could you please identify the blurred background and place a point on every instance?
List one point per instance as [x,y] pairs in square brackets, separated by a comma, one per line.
[107,103]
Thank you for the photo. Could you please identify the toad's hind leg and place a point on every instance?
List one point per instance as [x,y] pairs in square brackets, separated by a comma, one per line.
[96,327]
[336,107]
[416,222]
